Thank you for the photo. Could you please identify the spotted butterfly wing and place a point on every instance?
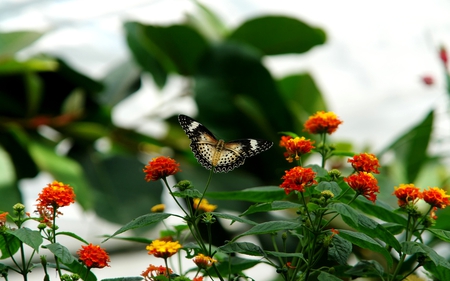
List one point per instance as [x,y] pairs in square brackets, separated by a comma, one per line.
[216,154]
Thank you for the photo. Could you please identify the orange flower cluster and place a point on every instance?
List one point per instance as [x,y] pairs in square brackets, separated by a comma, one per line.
[93,256]
[298,178]
[55,195]
[203,261]
[365,162]
[322,122]
[3,218]
[160,167]
[295,147]
[407,193]
[163,249]
[204,205]
[436,197]
[153,271]
[364,184]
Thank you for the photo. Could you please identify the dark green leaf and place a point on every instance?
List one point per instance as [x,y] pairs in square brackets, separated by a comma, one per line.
[9,245]
[132,239]
[365,224]
[141,221]
[411,248]
[188,193]
[30,237]
[271,206]
[275,35]
[339,250]
[284,255]
[234,265]
[365,242]
[73,235]
[123,279]
[254,194]
[61,252]
[269,227]
[411,148]
[329,185]
[438,272]
[444,235]
[245,248]
[366,269]
[233,218]
[379,210]
[325,276]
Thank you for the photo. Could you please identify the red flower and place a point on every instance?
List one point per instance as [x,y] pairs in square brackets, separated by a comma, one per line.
[198,278]
[3,218]
[443,55]
[153,271]
[93,256]
[56,195]
[322,122]
[407,193]
[428,80]
[160,167]
[365,162]
[364,184]
[296,147]
[436,197]
[298,178]
[283,140]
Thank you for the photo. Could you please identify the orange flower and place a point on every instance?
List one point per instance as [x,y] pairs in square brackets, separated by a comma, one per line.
[365,162]
[93,256]
[436,197]
[46,215]
[364,184]
[163,249]
[204,205]
[56,195]
[153,271]
[3,218]
[407,193]
[334,232]
[158,208]
[283,140]
[203,261]
[160,167]
[296,147]
[298,178]
[198,278]
[322,122]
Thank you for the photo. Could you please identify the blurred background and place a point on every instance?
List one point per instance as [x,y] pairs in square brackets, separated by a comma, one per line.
[90,91]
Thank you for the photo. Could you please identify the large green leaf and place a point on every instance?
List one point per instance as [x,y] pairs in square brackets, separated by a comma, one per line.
[379,210]
[411,148]
[411,248]
[9,245]
[271,206]
[253,194]
[12,42]
[339,250]
[30,237]
[245,248]
[275,35]
[269,227]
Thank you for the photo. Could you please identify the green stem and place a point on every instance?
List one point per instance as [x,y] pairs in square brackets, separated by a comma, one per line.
[167,269]
[324,156]
[53,240]
[211,172]
[173,196]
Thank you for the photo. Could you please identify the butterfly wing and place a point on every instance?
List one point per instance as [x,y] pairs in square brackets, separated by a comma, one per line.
[235,152]
[203,142]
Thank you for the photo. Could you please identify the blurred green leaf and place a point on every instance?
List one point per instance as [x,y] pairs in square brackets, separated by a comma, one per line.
[411,148]
[73,235]
[270,206]
[325,276]
[269,227]
[275,35]
[9,245]
[234,265]
[12,66]
[8,182]
[253,194]
[233,218]
[12,42]
[245,248]
[207,23]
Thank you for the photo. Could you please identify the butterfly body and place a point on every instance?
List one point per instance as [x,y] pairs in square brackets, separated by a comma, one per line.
[216,154]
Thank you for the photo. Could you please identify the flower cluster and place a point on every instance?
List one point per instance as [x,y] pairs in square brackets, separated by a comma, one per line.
[152,272]
[322,122]
[297,179]
[363,182]
[365,162]
[160,168]
[295,147]
[93,256]
[203,205]
[163,249]
[204,262]
[55,195]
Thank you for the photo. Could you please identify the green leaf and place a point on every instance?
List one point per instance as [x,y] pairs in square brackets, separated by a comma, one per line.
[233,218]
[141,221]
[284,255]
[30,237]
[233,266]
[444,235]
[139,46]
[73,235]
[411,148]
[12,66]
[188,193]
[365,224]
[245,248]
[132,239]
[275,35]
[269,227]
[61,252]
[438,272]
[12,42]
[366,269]
[254,194]
[379,210]
[411,248]
[270,206]
[302,95]
[325,276]
[329,185]
[123,279]
[207,23]
[364,241]
[9,245]
[339,250]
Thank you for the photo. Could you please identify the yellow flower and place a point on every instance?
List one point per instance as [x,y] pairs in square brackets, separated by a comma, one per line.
[204,205]
[163,249]
[159,208]
[203,261]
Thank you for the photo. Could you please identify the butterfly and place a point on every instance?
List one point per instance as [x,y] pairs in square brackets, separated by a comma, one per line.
[217,154]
